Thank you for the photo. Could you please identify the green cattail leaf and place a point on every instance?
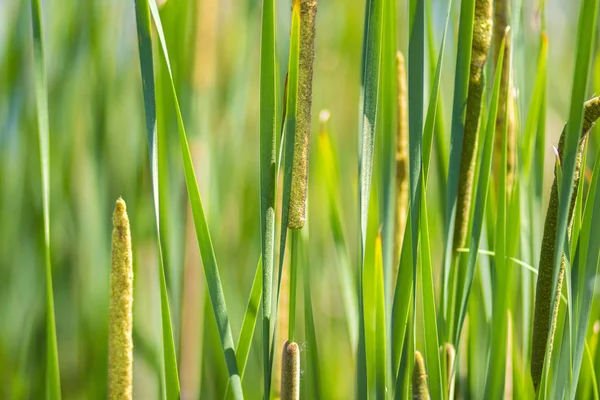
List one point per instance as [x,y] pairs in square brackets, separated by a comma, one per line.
[268,177]
[312,372]
[380,326]
[41,98]
[495,380]
[585,272]
[432,345]
[433,109]
[202,233]
[328,171]
[371,65]
[249,322]
[142,13]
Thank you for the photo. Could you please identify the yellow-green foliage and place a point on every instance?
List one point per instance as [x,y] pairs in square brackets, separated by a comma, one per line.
[120,348]
[290,371]
[299,186]
[482,37]
[541,319]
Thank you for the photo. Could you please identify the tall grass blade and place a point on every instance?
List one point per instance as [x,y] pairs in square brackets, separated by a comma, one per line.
[142,14]
[41,98]
[202,233]
[432,345]
[371,63]
[380,318]
[328,170]
[496,376]
[312,354]
[268,170]
[249,322]
[585,275]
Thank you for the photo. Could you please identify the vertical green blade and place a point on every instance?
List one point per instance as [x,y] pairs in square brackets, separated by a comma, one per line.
[268,169]
[41,97]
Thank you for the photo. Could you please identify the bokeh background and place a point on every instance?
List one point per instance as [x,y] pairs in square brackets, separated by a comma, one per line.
[98,151]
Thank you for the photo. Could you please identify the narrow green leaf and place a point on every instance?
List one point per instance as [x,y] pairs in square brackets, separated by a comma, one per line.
[202,233]
[584,276]
[328,171]
[312,354]
[434,102]
[41,98]
[142,14]
[268,170]
[380,326]
[432,345]
[249,322]
[371,63]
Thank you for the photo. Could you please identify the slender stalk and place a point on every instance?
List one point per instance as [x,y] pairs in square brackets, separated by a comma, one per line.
[299,188]
[449,357]
[482,37]
[420,388]
[505,120]
[401,162]
[543,330]
[290,372]
[120,342]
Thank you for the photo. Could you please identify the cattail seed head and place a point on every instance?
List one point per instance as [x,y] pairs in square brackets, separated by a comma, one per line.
[482,37]
[290,371]
[299,185]
[420,387]
[120,348]
[543,328]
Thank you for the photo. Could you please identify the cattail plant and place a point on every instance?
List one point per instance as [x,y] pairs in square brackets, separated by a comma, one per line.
[420,388]
[542,330]
[290,371]
[449,354]
[505,119]
[401,159]
[299,185]
[120,343]
[482,37]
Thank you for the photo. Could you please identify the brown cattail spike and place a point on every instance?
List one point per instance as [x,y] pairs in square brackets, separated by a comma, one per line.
[401,161]
[120,347]
[482,37]
[290,372]
[299,185]
[542,330]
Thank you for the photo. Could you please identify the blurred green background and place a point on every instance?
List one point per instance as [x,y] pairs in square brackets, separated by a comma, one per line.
[98,152]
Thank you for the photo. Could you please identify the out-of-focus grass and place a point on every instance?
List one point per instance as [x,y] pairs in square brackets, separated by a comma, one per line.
[98,152]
